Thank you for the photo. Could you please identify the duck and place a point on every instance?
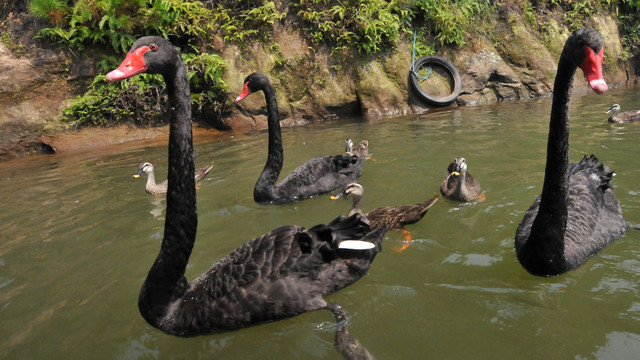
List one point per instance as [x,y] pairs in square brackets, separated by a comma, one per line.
[160,189]
[577,213]
[459,185]
[622,117]
[317,176]
[393,217]
[285,272]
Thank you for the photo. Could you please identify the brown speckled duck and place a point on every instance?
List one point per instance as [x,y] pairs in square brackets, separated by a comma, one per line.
[459,185]
[622,117]
[395,217]
[161,189]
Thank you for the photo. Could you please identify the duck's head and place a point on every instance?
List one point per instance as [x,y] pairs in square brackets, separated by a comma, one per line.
[348,146]
[144,168]
[614,108]
[457,167]
[353,188]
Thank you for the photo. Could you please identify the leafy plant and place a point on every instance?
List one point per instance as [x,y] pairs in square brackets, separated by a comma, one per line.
[369,26]
[451,20]
[241,20]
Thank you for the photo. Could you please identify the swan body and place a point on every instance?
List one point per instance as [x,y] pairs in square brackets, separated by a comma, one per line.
[622,117]
[282,273]
[577,213]
[458,184]
[393,217]
[160,189]
[317,176]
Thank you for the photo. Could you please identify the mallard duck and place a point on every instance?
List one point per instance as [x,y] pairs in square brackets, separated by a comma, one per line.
[459,185]
[395,217]
[361,151]
[161,189]
[622,117]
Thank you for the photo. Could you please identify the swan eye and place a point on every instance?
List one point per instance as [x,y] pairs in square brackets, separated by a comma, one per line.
[153,47]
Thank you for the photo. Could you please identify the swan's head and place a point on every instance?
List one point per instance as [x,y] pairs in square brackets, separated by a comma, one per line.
[144,168]
[614,108]
[149,54]
[585,48]
[354,189]
[254,82]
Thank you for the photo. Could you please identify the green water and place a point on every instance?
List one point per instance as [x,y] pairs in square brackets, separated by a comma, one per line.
[78,235]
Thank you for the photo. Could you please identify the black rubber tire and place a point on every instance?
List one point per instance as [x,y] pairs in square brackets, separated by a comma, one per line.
[431,99]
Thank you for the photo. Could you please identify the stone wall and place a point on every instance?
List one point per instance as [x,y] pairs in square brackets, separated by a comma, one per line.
[311,85]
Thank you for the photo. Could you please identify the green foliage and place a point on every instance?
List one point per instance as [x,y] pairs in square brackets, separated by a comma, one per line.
[53,11]
[452,19]
[369,26]
[241,20]
[140,100]
[577,12]
[629,22]
[119,22]
[529,13]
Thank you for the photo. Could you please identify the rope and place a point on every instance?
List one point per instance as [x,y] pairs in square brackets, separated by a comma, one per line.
[413,60]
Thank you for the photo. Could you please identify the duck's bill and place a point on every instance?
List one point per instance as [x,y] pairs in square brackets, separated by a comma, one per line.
[337,196]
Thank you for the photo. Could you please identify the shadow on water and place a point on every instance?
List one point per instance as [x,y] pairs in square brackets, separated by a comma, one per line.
[79,235]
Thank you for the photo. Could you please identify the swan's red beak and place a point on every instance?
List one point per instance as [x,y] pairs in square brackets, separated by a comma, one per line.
[132,65]
[592,68]
[244,93]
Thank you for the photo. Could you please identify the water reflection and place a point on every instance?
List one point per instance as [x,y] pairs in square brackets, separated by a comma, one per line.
[79,235]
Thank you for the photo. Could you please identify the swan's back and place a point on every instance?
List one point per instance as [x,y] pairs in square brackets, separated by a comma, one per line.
[283,273]
[319,175]
[594,219]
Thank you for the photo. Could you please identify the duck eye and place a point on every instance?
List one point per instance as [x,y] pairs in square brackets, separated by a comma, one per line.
[153,47]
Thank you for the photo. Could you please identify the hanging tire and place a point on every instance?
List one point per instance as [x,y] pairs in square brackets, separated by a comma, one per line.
[444,69]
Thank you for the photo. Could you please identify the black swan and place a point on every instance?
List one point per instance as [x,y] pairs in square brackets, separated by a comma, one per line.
[459,185]
[317,176]
[161,188]
[283,273]
[393,217]
[622,117]
[577,213]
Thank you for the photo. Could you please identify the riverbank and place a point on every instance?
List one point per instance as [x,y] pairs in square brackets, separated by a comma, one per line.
[513,61]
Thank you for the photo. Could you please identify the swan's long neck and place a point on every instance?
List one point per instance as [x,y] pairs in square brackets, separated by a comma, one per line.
[165,280]
[267,180]
[552,214]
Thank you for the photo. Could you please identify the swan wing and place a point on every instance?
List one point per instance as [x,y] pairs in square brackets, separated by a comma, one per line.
[594,216]
[282,273]
[319,175]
